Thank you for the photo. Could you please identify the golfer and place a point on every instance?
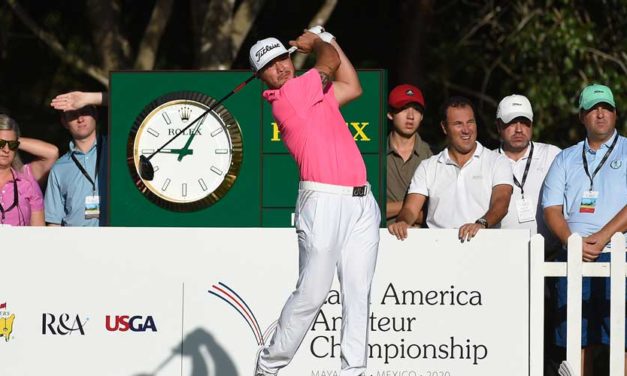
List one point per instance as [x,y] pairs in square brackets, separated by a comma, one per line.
[337,218]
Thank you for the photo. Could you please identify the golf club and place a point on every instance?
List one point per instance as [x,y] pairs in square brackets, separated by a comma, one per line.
[146,171]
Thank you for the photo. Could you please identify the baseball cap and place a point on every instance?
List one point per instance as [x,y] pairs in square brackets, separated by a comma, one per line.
[514,106]
[262,52]
[594,94]
[403,94]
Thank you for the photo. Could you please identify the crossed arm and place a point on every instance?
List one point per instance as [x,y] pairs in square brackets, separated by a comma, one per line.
[346,85]
[393,208]
[333,65]
[593,244]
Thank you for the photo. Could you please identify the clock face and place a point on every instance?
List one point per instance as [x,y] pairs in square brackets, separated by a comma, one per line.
[200,165]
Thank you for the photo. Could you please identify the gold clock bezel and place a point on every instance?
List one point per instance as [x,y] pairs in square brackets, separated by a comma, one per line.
[221,114]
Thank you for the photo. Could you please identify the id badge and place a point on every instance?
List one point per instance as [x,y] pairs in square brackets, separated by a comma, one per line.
[588,201]
[526,210]
[92,207]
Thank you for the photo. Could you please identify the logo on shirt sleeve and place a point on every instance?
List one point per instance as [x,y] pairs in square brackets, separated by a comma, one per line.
[616,164]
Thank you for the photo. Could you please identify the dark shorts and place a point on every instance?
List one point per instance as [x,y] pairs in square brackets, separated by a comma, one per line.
[595,323]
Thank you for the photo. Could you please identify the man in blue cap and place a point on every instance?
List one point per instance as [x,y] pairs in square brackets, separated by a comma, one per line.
[585,192]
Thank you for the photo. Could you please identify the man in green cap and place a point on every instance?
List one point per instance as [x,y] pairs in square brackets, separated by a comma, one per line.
[585,192]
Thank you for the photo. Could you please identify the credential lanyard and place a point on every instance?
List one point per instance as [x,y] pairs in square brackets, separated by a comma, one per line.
[16,198]
[82,169]
[605,157]
[524,177]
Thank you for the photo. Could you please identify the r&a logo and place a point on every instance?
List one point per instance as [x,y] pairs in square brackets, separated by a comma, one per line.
[122,323]
[62,324]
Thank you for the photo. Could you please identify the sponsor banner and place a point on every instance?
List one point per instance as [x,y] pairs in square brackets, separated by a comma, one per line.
[167,301]
[265,187]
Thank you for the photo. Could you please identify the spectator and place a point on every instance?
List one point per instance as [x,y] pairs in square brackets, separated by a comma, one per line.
[530,163]
[21,201]
[585,192]
[468,186]
[405,147]
[77,184]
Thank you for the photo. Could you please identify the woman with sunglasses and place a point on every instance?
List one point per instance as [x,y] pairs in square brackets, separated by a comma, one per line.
[21,200]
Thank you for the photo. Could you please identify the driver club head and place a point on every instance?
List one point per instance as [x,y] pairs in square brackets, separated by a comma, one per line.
[146,171]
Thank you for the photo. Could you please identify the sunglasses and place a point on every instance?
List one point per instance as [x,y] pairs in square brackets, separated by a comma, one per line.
[13,144]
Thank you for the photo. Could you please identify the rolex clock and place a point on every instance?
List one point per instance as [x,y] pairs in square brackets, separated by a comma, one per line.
[200,165]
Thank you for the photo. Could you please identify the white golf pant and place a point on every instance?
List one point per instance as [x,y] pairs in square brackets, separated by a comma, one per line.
[335,230]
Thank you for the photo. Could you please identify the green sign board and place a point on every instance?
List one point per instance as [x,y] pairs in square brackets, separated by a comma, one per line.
[256,187]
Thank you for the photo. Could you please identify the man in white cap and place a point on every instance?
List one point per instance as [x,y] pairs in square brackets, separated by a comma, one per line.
[337,218]
[530,163]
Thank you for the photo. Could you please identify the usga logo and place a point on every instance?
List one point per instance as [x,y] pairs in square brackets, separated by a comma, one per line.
[122,323]
[63,324]
[6,322]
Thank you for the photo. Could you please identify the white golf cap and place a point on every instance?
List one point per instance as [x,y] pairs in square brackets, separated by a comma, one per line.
[262,52]
[514,106]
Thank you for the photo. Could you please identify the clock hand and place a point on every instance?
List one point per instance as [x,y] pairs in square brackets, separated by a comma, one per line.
[146,171]
[178,151]
[185,150]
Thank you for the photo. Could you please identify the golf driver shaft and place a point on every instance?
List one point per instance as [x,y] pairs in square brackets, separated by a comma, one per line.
[216,104]
[238,88]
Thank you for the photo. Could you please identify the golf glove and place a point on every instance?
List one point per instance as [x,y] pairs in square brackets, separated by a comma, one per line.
[320,32]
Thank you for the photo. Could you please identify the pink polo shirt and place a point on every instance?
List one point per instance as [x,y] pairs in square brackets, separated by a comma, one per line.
[315,133]
[29,197]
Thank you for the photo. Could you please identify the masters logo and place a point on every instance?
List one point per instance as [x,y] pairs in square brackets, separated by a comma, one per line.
[6,322]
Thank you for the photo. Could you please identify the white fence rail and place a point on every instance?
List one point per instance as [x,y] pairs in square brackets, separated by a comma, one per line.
[575,269]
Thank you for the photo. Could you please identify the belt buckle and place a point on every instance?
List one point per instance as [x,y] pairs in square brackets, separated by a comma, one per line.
[359,191]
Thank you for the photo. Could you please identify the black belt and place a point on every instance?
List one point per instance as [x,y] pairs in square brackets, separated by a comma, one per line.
[360,191]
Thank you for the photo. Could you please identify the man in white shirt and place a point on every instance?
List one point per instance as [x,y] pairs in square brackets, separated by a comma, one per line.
[468,186]
[530,163]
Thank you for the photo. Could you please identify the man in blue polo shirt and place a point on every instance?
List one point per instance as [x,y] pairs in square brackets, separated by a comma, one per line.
[77,182]
[585,192]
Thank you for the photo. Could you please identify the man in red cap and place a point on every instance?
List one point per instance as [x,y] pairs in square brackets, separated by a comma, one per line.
[405,147]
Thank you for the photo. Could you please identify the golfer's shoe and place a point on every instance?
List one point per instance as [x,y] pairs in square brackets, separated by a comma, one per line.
[259,371]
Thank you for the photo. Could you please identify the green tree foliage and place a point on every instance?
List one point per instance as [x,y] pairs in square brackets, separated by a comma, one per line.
[547,50]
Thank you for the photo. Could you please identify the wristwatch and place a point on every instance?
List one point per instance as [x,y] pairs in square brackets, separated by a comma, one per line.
[482,221]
